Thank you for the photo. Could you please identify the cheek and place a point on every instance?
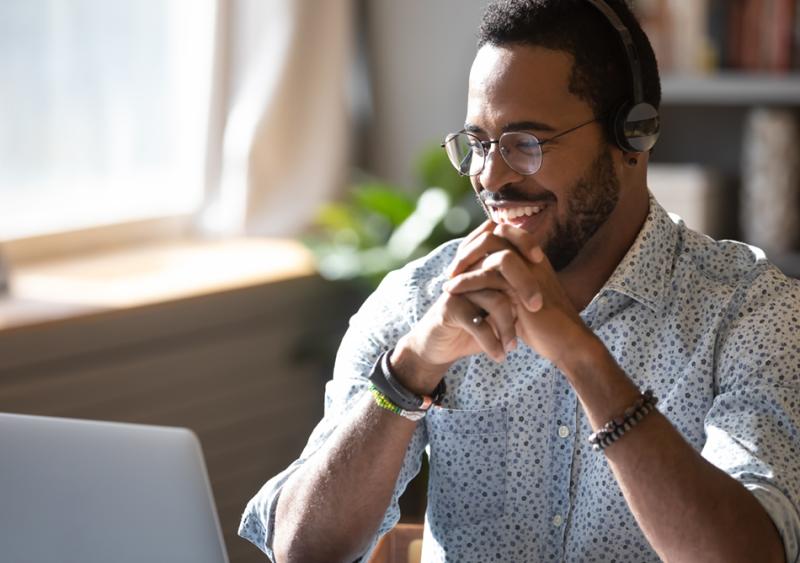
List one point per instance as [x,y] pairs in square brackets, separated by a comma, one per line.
[558,180]
[562,167]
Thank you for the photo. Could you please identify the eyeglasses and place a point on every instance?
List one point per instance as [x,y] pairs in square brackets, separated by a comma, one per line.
[521,151]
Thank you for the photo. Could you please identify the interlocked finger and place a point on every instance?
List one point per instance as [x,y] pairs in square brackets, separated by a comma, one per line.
[475,280]
[491,322]
[474,251]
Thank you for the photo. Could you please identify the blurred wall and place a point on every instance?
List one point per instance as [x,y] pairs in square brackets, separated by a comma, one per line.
[419,54]
[244,369]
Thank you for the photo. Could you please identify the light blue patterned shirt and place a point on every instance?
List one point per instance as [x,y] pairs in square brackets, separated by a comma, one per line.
[711,327]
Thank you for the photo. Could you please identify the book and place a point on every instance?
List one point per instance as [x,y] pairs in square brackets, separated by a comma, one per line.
[735,26]
[690,52]
[750,35]
[796,37]
[718,16]
[783,18]
[691,36]
[771,180]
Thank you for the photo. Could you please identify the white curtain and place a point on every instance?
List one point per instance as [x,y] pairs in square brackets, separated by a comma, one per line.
[283,73]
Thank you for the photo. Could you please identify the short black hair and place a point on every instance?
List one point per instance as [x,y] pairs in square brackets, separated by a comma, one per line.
[601,72]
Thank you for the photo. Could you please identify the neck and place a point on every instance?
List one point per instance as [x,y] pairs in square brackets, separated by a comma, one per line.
[585,276]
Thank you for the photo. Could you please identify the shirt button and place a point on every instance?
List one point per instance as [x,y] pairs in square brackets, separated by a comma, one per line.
[558,520]
[603,300]
[563,431]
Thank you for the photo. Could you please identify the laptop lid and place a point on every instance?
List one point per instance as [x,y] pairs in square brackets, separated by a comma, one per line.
[74,491]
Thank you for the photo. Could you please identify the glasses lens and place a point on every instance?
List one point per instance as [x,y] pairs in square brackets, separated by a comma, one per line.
[465,152]
[522,152]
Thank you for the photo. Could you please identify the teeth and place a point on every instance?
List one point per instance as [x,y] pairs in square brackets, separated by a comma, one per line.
[505,214]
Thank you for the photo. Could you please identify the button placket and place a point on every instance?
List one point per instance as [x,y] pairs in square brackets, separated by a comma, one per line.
[562,449]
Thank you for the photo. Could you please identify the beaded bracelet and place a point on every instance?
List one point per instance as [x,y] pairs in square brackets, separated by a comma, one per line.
[614,429]
[384,402]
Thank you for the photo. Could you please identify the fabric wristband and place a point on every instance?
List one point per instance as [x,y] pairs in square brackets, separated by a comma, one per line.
[383,401]
[383,378]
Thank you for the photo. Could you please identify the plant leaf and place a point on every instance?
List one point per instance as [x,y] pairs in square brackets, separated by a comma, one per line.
[385,200]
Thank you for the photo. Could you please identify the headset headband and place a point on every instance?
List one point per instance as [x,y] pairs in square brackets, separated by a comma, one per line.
[636,124]
[627,43]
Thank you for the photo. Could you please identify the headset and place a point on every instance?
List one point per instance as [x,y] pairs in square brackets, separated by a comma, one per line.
[635,124]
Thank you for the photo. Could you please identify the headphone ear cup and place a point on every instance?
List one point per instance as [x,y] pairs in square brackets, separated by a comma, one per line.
[636,127]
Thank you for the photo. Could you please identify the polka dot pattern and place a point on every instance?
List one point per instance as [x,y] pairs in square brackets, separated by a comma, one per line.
[710,326]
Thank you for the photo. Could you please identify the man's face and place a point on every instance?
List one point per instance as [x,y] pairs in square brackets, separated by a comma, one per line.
[522,88]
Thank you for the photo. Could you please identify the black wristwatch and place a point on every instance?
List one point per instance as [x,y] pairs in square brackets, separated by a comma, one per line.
[387,383]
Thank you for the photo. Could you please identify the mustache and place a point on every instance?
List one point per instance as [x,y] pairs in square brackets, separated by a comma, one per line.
[511,193]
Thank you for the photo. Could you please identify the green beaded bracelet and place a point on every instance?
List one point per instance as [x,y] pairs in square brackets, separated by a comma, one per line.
[385,403]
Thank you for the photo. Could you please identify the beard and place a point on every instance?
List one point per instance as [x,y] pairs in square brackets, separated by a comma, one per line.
[590,202]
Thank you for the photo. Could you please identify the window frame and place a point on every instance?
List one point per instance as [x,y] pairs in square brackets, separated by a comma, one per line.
[157,227]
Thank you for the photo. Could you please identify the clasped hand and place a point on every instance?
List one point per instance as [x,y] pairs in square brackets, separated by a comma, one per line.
[499,272]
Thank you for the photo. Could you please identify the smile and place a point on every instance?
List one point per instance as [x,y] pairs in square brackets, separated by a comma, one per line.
[513,214]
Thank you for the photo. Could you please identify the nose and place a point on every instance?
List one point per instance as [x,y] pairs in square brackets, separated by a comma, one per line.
[496,172]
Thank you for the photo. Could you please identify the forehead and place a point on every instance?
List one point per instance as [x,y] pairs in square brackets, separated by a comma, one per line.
[522,83]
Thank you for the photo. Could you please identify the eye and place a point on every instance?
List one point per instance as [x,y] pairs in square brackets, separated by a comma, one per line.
[526,144]
[474,144]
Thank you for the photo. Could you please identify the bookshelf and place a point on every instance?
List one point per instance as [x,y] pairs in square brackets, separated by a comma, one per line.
[720,61]
[732,89]
[704,123]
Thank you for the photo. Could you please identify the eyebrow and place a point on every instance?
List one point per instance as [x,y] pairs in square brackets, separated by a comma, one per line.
[515,126]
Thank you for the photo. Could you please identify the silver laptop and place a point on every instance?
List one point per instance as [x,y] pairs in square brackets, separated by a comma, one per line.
[75,491]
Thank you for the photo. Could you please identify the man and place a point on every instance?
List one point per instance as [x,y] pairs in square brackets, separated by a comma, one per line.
[546,324]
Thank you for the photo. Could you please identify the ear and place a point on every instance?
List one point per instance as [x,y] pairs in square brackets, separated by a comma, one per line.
[632,167]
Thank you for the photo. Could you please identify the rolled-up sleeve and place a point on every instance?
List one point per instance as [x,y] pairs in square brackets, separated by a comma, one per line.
[753,427]
[383,318]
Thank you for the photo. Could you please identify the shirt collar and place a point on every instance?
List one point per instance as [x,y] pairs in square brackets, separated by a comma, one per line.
[645,270]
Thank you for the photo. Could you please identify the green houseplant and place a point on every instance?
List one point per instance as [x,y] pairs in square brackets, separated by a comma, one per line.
[379,227]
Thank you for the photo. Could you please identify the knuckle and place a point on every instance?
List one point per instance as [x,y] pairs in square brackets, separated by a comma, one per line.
[497,298]
[483,239]
[505,259]
[449,300]
[494,260]
[505,255]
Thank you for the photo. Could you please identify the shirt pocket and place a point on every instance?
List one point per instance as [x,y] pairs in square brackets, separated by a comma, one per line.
[468,450]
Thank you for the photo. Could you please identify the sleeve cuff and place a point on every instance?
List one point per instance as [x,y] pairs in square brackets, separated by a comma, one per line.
[784,515]
[258,521]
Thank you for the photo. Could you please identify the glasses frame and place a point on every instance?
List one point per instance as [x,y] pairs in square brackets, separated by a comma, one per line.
[487,147]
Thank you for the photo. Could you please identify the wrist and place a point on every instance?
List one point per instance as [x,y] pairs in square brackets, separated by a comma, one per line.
[603,388]
[415,374]
[583,354]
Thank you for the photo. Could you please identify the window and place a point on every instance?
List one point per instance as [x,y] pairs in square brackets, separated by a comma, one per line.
[104,111]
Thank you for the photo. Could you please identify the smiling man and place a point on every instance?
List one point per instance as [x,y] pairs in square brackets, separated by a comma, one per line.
[578,310]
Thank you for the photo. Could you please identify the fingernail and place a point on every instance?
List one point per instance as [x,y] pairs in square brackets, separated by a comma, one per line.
[537,255]
[447,286]
[510,345]
[535,303]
